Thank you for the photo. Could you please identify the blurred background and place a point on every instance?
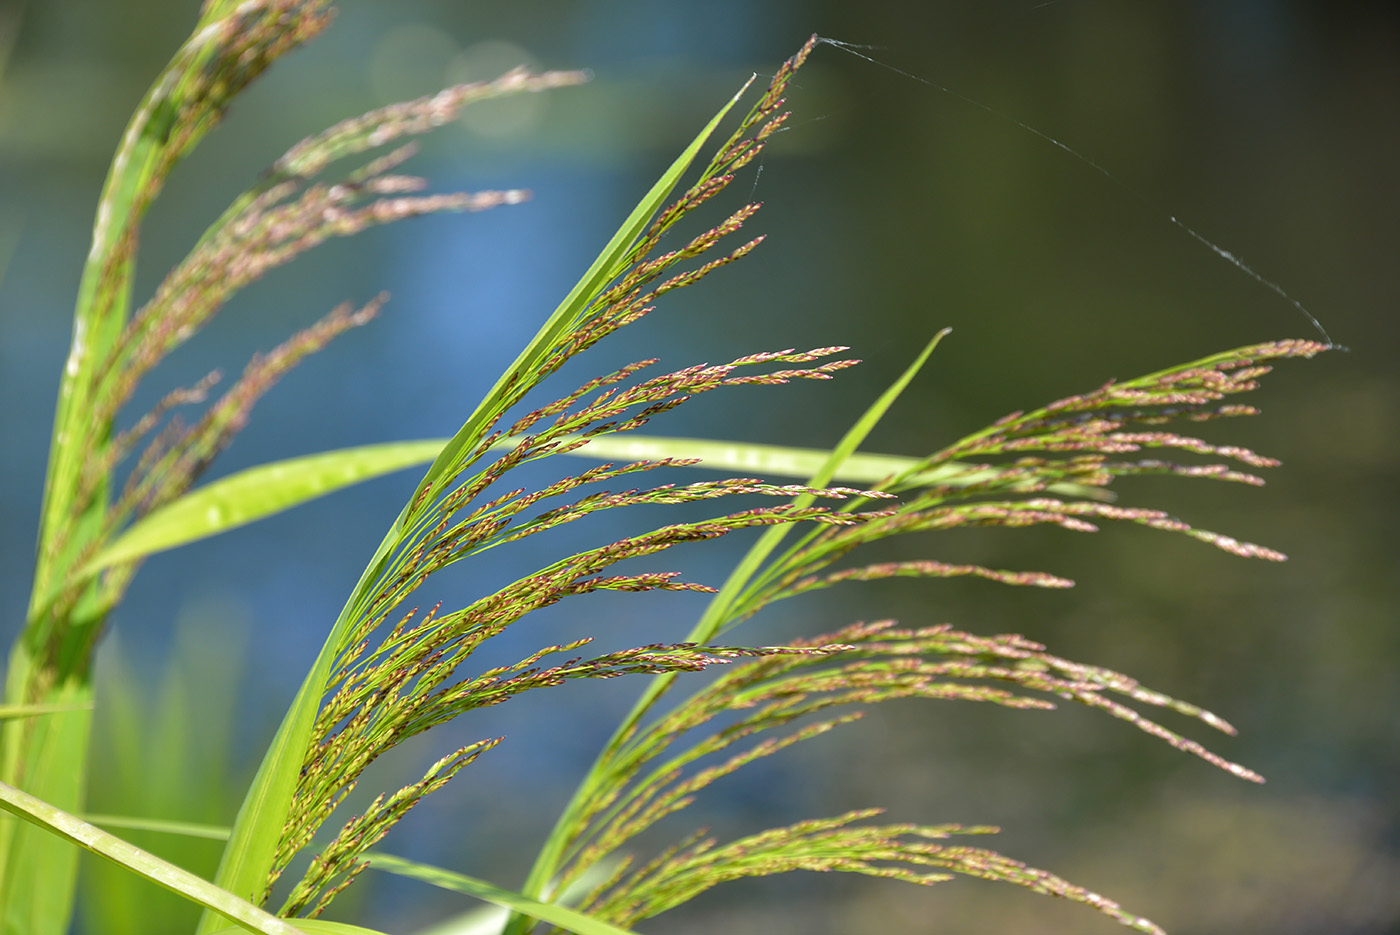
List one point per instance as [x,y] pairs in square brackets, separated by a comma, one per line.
[893,209]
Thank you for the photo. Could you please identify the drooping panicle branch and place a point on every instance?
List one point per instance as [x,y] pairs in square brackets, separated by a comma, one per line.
[1073,448]
[656,776]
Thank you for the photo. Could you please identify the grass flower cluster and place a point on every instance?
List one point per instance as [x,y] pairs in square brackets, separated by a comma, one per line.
[387,672]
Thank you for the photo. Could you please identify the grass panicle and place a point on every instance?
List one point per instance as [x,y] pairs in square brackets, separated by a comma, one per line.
[446,521]
[1078,440]
[391,701]
[385,674]
[287,214]
[1072,443]
[338,863]
[655,774]
[232,45]
[907,852]
[456,525]
[405,685]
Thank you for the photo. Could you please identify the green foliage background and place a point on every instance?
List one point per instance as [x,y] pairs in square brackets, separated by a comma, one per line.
[895,209]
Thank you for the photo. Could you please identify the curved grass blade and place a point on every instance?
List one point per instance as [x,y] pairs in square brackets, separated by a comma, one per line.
[482,920]
[256,493]
[187,829]
[488,919]
[317,927]
[76,831]
[567,919]
[268,489]
[783,461]
[11,711]
[715,615]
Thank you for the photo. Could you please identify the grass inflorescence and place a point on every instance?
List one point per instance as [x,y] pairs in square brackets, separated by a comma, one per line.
[387,673]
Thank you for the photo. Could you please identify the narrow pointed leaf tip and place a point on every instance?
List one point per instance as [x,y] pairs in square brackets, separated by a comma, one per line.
[265,490]
[257,493]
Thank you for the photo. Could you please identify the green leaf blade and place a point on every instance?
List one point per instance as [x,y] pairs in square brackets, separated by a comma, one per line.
[567,919]
[717,615]
[9,712]
[75,831]
[316,927]
[257,493]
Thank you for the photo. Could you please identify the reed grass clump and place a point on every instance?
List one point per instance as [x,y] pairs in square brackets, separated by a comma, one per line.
[389,671]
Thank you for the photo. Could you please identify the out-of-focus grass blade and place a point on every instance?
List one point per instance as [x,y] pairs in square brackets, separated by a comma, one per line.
[79,832]
[567,919]
[317,927]
[256,493]
[163,748]
[37,885]
[8,711]
[188,829]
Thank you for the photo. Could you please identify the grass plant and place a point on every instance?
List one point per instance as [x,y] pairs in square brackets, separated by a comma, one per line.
[396,663]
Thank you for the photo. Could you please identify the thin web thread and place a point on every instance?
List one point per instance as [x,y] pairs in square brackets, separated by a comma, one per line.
[1239,264]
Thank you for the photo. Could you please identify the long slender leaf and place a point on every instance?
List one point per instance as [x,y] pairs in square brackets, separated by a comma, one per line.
[488,919]
[268,489]
[187,829]
[567,919]
[317,927]
[10,711]
[784,461]
[248,857]
[259,492]
[76,831]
